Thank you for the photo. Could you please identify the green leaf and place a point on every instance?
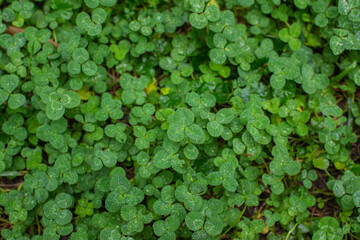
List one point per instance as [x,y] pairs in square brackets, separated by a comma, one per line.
[80,55]
[9,82]
[98,15]
[295,44]
[194,220]
[54,110]
[213,226]
[198,21]
[16,100]
[92,3]
[330,109]
[215,128]
[89,68]
[191,151]
[3,96]
[194,132]
[277,81]
[356,198]
[336,45]
[217,56]
[108,3]
[176,133]
[321,20]
[74,67]
[83,20]
[212,13]
[162,159]
[197,5]
[238,146]
[338,189]
[70,99]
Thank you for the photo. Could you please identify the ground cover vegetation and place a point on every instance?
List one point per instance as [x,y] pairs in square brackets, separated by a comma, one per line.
[179,119]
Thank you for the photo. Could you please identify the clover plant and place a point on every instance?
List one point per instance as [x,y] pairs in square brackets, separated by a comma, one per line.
[183,119]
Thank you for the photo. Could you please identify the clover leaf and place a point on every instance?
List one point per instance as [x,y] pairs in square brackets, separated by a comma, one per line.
[166,228]
[133,89]
[142,114]
[8,84]
[215,125]
[116,131]
[224,49]
[91,25]
[57,101]
[14,127]
[143,137]
[182,125]
[281,72]
[311,82]
[201,119]
[110,108]
[350,9]
[291,36]
[328,227]
[194,220]
[57,209]
[53,133]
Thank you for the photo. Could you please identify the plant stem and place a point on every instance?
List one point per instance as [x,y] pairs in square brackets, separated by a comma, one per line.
[232,225]
[5,221]
[266,166]
[350,118]
[323,193]
[11,174]
[329,175]
[20,186]
[30,57]
[291,230]
[344,73]
[38,225]
[353,236]
[55,39]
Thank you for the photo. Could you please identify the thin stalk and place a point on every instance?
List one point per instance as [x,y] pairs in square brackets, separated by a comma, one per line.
[323,193]
[5,221]
[329,175]
[232,225]
[38,225]
[11,174]
[344,73]
[267,167]
[31,56]
[54,35]
[353,236]
[291,230]
[350,118]
[20,186]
